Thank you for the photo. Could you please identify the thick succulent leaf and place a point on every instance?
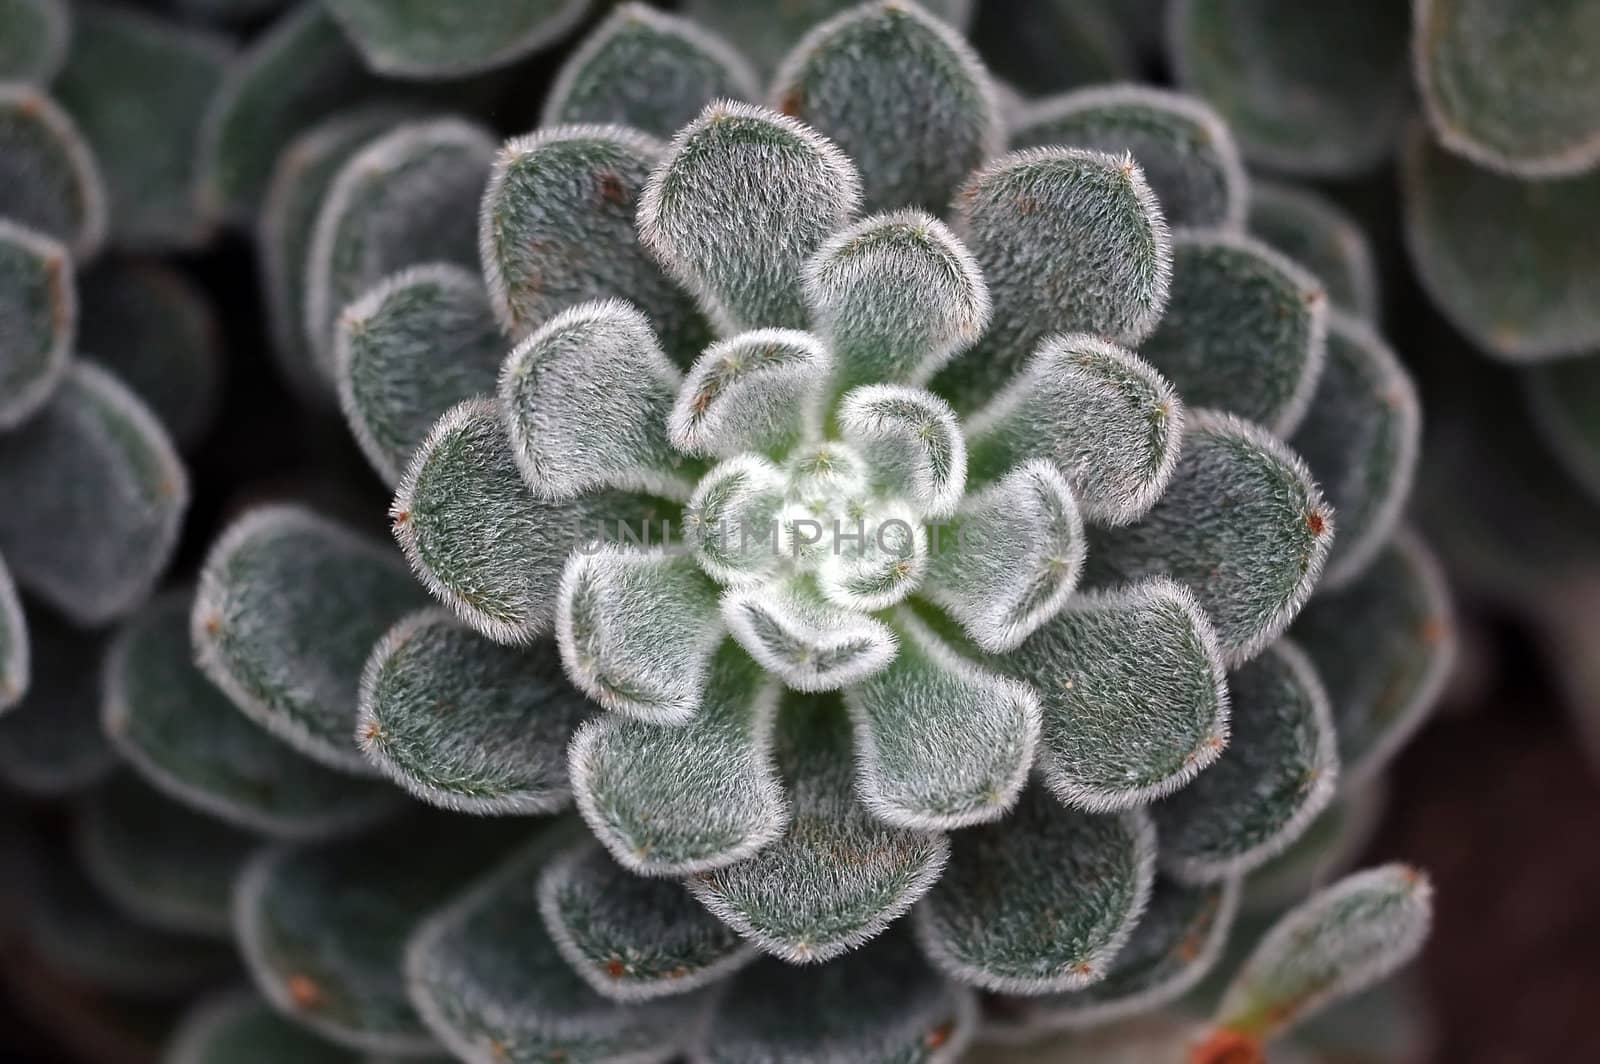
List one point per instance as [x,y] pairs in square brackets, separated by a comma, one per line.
[803,640]
[1316,89]
[1133,695]
[757,391]
[896,296]
[911,441]
[630,937]
[1156,1038]
[902,93]
[1069,241]
[741,247]
[1564,399]
[731,521]
[868,561]
[479,539]
[404,198]
[239,1027]
[1041,901]
[1184,148]
[93,552]
[1252,562]
[1245,331]
[586,401]
[50,741]
[557,229]
[673,801]
[323,927]
[289,606]
[429,41]
[15,657]
[155,329]
[1505,260]
[1321,237]
[638,631]
[183,736]
[38,320]
[466,724]
[494,987]
[1513,91]
[1360,436]
[1009,559]
[1340,941]
[33,39]
[283,230]
[1049,46]
[839,876]
[1327,848]
[1177,942]
[765,34]
[419,342]
[881,1003]
[162,863]
[647,70]
[1385,645]
[299,70]
[147,153]
[941,742]
[1102,416]
[1278,774]
[49,179]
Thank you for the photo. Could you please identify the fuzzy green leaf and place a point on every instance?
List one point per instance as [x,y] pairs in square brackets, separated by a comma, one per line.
[557,229]
[1317,89]
[1133,694]
[1245,331]
[1251,563]
[912,442]
[186,739]
[839,876]
[49,179]
[1321,237]
[730,521]
[739,246]
[1069,241]
[323,928]
[902,93]
[1338,942]
[1102,416]
[630,937]
[147,152]
[93,552]
[1183,147]
[33,39]
[50,741]
[154,328]
[1041,901]
[896,296]
[1564,399]
[1385,645]
[1049,46]
[803,640]
[1326,849]
[1506,261]
[867,561]
[1512,90]
[419,342]
[292,199]
[162,863]
[766,34]
[494,988]
[466,724]
[647,70]
[1361,437]
[479,539]
[678,800]
[882,1003]
[586,401]
[426,40]
[289,606]
[15,658]
[406,197]
[38,320]
[1010,557]
[239,1027]
[753,392]
[1278,773]
[299,70]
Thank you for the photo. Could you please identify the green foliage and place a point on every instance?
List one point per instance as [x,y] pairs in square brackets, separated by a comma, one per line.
[1564,400]
[1049,46]
[238,1027]
[93,552]
[1321,237]
[751,392]
[803,640]
[766,35]
[428,40]
[1327,848]
[50,740]
[49,178]
[38,320]
[33,39]
[148,150]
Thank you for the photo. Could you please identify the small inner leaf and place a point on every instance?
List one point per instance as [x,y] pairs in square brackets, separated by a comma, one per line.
[807,643]
[911,441]
[731,521]
[38,320]
[757,391]
[420,39]
[49,179]
[1321,237]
